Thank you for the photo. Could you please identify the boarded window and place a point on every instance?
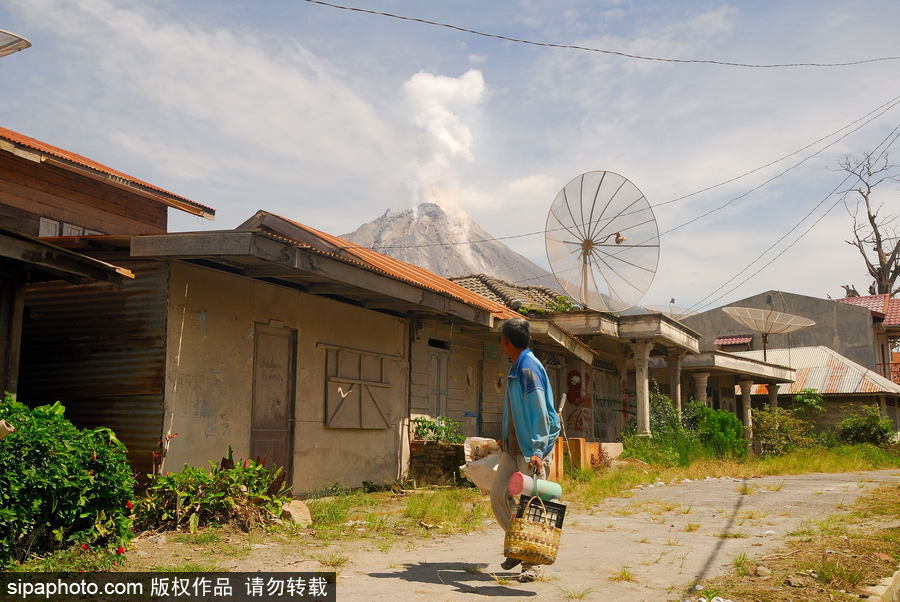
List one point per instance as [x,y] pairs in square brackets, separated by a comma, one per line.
[357,392]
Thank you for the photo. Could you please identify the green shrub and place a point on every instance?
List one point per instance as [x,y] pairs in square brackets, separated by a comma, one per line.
[867,426]
[439,429]
[248,494]
[60,485]
[702,433]
[777,431]
[807,402]
[719,431]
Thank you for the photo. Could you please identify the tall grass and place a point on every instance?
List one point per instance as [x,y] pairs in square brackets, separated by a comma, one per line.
[451,509]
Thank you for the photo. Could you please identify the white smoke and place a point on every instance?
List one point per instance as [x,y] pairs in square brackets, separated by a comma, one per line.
[445,109]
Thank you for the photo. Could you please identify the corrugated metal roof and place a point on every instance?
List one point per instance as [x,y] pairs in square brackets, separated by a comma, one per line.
[408,272]
[883,304]
[822,369]
[60,153]
[734,340]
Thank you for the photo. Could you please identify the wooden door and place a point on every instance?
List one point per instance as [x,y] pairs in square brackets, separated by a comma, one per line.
[438,367]
[272,419]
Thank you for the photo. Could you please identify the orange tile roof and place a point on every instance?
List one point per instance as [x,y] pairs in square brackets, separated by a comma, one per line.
[43,147]
[883,304]
[408,272]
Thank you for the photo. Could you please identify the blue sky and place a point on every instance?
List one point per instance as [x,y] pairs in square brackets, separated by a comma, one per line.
[331,117]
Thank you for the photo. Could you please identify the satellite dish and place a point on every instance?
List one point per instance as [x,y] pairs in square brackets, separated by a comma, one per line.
[767,321]
[602,241]
[10,43]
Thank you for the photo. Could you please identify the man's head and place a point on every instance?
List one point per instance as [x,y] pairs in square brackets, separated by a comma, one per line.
[515,335]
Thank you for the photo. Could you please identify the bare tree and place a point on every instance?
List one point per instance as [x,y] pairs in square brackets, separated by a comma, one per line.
[875,232]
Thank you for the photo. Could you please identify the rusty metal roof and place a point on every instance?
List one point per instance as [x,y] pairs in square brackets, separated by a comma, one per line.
[401,270]
[70,157]
[740,339]
[824,370]
[882,304]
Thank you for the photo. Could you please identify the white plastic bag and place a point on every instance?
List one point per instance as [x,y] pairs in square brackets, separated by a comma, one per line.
[482,472]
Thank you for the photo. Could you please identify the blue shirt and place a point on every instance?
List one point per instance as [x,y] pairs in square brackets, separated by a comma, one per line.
[530,398]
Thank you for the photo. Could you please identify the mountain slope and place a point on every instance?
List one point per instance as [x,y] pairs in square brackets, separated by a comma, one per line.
[411,235]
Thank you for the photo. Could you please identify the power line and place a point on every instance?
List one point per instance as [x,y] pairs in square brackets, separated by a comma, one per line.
[866,119]
[778,175]
[598,50]
[895,133]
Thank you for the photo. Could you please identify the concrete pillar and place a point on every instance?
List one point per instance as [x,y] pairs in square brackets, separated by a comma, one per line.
[747,418]
[700,380]
[673,361]
[642,385]
[773,394]
[882,405]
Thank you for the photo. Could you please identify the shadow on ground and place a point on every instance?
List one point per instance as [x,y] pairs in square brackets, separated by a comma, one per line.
[465,577]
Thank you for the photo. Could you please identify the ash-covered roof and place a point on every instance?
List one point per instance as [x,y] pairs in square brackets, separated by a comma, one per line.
[511,295]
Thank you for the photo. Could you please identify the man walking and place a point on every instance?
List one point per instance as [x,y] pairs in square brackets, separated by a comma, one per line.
[530,426]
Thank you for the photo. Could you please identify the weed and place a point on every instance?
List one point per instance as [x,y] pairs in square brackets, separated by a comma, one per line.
[691,527]
[671,541]
[746,489]
[733,535]
[740,563]
[474,569]
[580,594]
[644,540]
[777,487]
[203,537]
[501,580]
[332,560]
[622,574]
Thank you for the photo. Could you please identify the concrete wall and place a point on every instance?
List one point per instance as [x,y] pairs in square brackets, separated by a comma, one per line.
[209,376]
[845,328]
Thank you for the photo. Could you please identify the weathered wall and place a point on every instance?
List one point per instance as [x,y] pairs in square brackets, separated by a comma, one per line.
[476,366]
[30,190]
[845,328]
[210,374]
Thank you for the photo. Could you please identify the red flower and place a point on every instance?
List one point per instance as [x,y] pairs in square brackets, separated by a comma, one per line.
[115,563]
[120,551]
[129,505]
[84,546]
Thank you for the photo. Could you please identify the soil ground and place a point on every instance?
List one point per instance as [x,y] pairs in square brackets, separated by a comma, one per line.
[665,537]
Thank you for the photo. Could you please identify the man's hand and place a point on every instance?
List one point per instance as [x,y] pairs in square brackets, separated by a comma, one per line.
[536,464]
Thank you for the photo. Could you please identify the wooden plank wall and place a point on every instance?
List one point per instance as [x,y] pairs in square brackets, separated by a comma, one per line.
[473,364]
[29,188]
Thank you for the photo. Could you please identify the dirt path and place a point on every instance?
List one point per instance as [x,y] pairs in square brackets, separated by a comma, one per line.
[664,536]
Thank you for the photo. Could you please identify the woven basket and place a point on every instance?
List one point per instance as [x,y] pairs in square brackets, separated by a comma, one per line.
[532,542]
